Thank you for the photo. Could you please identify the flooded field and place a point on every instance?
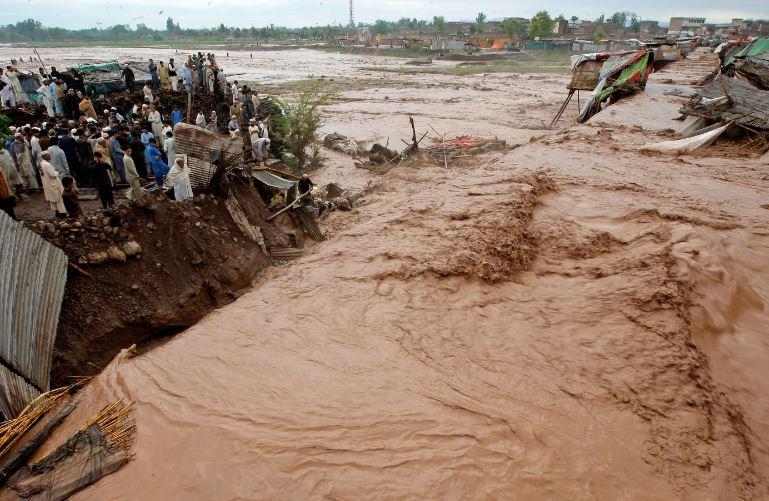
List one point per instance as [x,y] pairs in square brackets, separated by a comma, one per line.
[571,318]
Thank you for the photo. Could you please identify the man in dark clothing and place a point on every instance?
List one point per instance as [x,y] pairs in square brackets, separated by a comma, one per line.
[128,74]
[71,197]
[102,180]
[305,184]
[137,154]
[68,144]
[85,154]
[153,69]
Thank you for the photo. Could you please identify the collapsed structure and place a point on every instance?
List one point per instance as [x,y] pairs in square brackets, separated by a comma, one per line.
[609,75]
[734,98]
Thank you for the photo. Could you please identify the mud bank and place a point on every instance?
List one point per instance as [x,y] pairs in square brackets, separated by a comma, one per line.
[193,259]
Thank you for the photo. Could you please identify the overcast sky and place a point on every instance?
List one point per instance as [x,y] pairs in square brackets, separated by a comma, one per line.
[245,13]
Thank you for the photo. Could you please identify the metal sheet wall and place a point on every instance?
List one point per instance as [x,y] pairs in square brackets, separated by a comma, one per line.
[34,274]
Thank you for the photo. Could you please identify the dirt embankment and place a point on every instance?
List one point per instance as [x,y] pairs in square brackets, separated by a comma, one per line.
[193,259]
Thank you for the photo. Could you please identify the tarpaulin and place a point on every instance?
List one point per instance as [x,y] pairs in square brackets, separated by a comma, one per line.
[757,47]
[631,74]
[90,68]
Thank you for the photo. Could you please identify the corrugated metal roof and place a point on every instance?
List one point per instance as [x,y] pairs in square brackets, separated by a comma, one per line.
[271,179]
[34,275]
[15,393]
[202,149]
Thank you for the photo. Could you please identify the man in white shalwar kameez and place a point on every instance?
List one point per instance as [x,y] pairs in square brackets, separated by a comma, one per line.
[52,186]
[45,91]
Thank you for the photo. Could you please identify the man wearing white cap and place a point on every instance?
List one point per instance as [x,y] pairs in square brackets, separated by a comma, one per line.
[52,186]
[7,92]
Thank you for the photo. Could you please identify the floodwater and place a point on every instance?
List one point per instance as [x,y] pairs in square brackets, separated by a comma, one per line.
[572,318]
[261,66]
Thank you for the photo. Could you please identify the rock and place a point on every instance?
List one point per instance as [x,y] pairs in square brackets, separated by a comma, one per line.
[77,224]
[105,221]
[197,224]
[333,191]
[116,254]
[132,248]
[97,257]
[50,228]
[135,287]
[150,226]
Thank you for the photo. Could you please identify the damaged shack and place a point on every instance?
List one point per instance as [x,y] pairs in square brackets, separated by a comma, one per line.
[608,76]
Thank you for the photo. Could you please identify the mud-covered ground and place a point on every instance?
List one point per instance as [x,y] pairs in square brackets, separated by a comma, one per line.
[571,318]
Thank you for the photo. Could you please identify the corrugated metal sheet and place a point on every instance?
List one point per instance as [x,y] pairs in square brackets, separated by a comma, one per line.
[15,393]
[34,274]
[271,179]
[202,148]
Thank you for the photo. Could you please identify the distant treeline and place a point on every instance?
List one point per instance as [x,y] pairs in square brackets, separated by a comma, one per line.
[31,30]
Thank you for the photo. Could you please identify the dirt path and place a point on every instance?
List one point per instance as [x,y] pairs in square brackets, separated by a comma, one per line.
[570,319]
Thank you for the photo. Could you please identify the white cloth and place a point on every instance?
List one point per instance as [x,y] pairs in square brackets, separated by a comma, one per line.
[179,180]
[200,121]
[21,96]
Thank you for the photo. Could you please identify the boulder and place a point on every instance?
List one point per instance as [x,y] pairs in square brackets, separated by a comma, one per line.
[97,257]
[132,248]
[115,254]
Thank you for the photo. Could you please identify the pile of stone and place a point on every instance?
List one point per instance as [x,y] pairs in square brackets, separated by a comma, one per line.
[91,240]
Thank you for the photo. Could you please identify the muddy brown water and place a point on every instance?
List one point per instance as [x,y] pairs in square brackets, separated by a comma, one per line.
[570,319]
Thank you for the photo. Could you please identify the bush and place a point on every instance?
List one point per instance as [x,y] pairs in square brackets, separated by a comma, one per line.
[5,130]
[298,128]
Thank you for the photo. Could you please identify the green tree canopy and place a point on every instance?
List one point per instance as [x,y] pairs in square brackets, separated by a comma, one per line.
[541,25]
[440,24]
[513,28]
[480,22]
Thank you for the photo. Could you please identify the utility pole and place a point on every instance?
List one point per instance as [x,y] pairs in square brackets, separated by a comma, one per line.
[352,16]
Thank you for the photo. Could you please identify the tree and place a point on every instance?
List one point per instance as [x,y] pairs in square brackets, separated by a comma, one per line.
[541,25]
[170,25]
[440,24]
[512,28]
[480,22]
[299,128]
[599,34]
[380,27]
[619,18]
[601,19]
[574,20]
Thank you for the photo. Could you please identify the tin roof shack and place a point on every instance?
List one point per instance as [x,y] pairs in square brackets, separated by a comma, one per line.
[622,73]
[727,99]
[751,62]
[604,70]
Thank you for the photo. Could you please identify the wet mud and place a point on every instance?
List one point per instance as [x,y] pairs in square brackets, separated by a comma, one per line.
[570,319]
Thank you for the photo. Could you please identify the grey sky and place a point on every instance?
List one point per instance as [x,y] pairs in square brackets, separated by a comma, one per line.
[245,13]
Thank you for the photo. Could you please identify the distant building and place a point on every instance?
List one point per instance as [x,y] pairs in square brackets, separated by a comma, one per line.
[693,24]
[650,27]
[560,27]
[737,23]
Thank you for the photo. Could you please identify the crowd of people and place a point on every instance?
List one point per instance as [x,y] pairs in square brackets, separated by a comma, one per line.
[125,146]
